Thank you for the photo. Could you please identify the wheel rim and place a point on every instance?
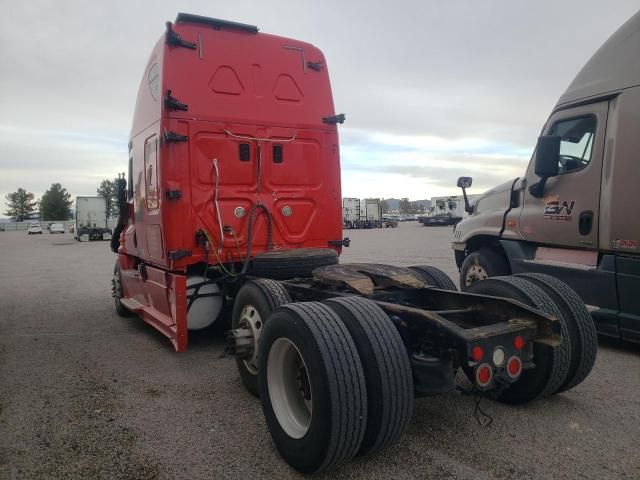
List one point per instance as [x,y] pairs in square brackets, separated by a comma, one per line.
[474,274]
[250,318]
[289,388]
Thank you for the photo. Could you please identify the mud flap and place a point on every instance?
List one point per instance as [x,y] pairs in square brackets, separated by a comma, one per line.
[431,375]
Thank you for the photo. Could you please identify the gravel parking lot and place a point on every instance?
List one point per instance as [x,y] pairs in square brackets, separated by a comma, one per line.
[86,394]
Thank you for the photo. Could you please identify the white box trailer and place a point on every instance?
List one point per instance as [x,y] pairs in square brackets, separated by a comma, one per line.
[372,210]
[350,211]
[358,213]
[91,219]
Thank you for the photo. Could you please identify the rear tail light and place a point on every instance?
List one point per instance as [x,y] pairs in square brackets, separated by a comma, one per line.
[514,367]
[477,353]
[484,375]
[518,342]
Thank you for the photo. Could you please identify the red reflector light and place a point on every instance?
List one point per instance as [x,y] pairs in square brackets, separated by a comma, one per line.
[518,342]
[483,375]
[514,367]
[477,353]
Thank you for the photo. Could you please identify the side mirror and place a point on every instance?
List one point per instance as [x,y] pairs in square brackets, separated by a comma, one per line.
[465,182]
[547,156]
[546,166]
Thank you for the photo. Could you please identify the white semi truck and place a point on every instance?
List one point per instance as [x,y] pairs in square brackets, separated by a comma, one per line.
[91,219]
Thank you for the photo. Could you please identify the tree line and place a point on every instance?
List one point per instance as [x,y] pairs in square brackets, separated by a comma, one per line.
[405,206]
[55,203]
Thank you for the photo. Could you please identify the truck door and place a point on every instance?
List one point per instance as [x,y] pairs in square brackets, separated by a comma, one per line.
[567,213]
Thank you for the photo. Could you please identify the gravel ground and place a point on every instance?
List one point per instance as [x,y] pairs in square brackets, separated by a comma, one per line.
[86,394]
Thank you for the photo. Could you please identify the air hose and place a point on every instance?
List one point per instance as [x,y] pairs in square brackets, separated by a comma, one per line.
[252,212]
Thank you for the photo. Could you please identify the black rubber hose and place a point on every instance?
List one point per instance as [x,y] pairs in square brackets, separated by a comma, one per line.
[250,234]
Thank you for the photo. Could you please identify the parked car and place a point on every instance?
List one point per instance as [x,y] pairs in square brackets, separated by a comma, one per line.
[389,222]
[442,219]
[34,228]
[56,228]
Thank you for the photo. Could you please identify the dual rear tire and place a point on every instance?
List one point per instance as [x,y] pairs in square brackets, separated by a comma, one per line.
[556,369]
[334,378]
[579,326]
[312,387]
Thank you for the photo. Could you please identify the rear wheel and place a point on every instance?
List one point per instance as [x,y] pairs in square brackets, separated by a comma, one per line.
[387,370]
[580,326]
[480,265]
[252,306]
[312,387]
[434,277]
[551,363]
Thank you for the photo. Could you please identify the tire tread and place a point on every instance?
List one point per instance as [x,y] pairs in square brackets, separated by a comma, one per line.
[434,277]
[391,364]
[562,353]
[586,338]
[346,379]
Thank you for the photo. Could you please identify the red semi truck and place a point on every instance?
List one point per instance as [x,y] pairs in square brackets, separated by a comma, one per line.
[233,198]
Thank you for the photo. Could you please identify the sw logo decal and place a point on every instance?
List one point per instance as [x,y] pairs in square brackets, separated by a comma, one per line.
[555,209]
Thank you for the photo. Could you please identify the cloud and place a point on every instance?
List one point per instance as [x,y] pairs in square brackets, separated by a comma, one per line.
[79,160]
[427,86]
[426,165]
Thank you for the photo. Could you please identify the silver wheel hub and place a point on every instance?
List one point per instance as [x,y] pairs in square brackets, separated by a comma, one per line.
[474,274]
[289,388]
[250,319]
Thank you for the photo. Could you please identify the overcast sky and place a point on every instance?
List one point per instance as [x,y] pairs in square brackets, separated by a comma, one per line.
[432,89]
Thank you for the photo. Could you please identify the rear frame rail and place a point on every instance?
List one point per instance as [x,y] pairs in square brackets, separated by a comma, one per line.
[511,316]
[487,323]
